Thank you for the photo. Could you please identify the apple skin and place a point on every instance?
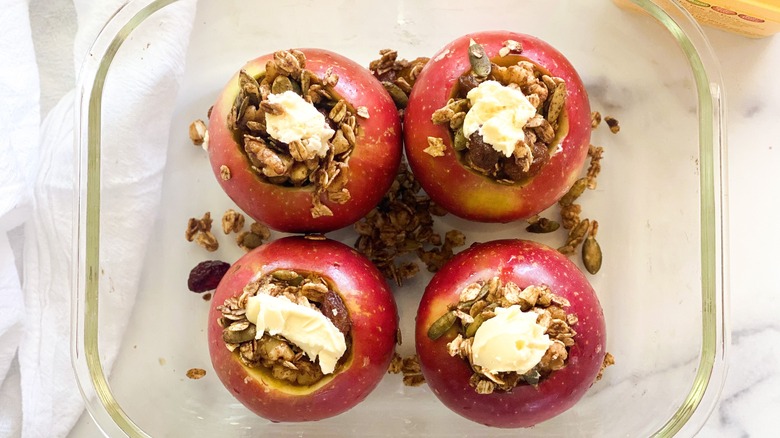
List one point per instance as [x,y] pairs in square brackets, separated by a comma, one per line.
[464,192]
[373,162]
[525,263]
[372,310]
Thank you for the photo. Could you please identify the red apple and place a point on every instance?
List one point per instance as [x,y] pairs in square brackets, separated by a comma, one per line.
[525,263]
[461,190]
[373,315]
[373,162]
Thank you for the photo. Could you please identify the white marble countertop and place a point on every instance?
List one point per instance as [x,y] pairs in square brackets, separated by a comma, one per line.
[751,396]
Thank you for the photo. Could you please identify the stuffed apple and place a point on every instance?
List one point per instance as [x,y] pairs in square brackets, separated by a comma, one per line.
[301,329]
[510,333]
[304,140]
[497,127]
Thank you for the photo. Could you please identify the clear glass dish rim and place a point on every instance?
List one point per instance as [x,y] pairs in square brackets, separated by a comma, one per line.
[109,416]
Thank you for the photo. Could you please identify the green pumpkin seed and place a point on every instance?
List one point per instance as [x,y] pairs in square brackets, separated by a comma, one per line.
[576,190]
[291,277]
[591,254]
[442,325]
[249,85]
[399,97]
[460,143]
[556,103]
[532,377]
[471,330]
[542,226]
[237,337]
[480,63]
[281,84]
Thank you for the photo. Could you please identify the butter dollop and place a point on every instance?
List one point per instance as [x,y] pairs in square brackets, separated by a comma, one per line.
[299,121]
[307,328]
[510,341]
[499,113]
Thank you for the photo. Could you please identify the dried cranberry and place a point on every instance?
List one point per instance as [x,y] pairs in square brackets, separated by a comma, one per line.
[207,275]
[333,308]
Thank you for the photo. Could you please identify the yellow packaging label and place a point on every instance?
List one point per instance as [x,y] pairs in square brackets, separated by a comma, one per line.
[751,18]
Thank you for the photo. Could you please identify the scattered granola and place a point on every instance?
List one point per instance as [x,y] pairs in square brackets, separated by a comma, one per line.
[196,373]
[596,154]
[282,358]
[199,230]
[595,119]
[570,212]
[402,224]
[397,76]
[232,221]
[613,124]
[477,304]
[198,132]
[609,360]
[294,164]
[224,172]
[410,368]
[435,147]
[395,364]
[542,132]
[257,235]
[575,237]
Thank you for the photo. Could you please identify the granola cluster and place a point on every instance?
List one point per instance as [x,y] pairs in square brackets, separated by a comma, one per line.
[397,75]
[293,164]
[477,304]
[282,358]
[545,92]
[402,224]
[409,367]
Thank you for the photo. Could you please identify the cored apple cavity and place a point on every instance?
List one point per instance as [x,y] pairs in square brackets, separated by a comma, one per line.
[304,140]
[497,127]
[276,376]
[506,115]
[315,313]
[563,334]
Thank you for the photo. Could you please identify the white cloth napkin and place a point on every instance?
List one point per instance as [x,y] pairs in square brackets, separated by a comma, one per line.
[38,396]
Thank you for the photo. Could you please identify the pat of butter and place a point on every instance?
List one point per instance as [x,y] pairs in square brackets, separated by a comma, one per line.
[499,113]
[300,121]
[510,341]
[307,328]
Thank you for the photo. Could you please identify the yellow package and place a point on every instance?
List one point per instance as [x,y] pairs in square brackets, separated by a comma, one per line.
[751,18]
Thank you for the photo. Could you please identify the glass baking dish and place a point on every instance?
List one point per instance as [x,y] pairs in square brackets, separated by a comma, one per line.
[660,202]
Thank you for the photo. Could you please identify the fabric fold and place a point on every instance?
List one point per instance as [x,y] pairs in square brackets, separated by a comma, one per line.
[36,375]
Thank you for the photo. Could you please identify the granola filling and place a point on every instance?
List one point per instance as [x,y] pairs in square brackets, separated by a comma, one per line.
[276,355]
[324,166]
[541,133]
[478,303]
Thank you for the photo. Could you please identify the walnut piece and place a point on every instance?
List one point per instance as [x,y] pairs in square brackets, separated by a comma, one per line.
[198,132]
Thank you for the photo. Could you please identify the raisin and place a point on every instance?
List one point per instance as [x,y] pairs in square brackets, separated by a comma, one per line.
[207,275]
[333,308]
[481,156]
[466,82]
[513,169]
